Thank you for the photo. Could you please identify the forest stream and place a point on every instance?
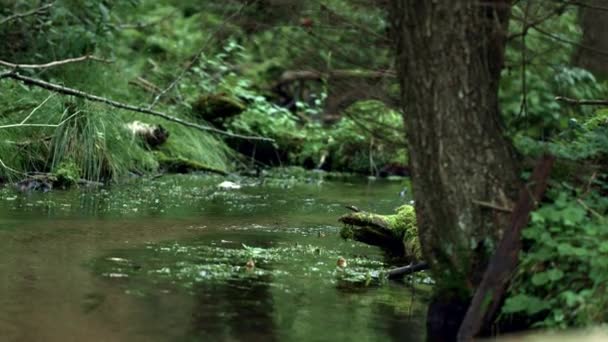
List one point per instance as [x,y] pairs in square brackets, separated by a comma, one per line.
[166,260]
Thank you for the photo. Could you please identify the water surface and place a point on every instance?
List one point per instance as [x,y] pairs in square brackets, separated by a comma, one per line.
[164,260]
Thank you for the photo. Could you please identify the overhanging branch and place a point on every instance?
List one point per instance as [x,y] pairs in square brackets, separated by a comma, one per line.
[78,93]
[25,14]
[578,102]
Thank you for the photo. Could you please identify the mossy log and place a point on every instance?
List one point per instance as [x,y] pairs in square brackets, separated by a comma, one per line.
[217,107]
[396,234]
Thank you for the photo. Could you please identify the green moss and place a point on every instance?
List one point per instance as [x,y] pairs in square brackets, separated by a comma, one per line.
[404,222]
[183,165]
[217,106]
[385,231]
[67,174]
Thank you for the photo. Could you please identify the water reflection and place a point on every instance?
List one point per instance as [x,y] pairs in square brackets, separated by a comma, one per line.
[238,310]
[178,248]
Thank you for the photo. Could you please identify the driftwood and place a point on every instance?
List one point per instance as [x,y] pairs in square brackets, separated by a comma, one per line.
[396,234]
[373,230]
[489,294]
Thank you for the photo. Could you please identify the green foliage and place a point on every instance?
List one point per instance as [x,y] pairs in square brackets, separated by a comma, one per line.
[67,174]
[368,137]
[527,93]
[563,276]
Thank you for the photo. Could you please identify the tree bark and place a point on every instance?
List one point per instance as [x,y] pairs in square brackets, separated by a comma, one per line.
[449,58]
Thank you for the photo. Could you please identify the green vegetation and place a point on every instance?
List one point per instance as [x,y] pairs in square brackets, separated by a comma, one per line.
[275,89]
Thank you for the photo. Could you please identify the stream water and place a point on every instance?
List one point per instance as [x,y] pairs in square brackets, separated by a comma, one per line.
[165,260]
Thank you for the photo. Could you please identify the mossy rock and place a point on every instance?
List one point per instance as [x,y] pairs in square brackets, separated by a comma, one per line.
[217,107]
[66,175]
[396,234]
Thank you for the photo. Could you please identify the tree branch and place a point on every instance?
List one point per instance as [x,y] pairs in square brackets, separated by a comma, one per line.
[566,41]
[25,14]
[52,64]
[578,102]
[75,92]
[488,295]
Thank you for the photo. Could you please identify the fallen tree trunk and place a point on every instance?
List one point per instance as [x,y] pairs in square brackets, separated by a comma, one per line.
[396,234]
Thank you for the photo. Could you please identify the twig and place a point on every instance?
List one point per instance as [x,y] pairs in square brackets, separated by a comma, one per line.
[10,168]
[75,92]
[24,124]
[59,124]
[528,25]
[591,210]
[25,14]
[570,42]
[578,102]
[36,109]
[585,5]
[492,206]
[52,64]
[524,61]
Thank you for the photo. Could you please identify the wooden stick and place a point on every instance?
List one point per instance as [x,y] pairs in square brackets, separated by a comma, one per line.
[488,296]
[52,64]
[25,14]
[74,92]
[492,206]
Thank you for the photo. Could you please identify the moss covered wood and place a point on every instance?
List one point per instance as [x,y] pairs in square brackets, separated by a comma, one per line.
[396,234]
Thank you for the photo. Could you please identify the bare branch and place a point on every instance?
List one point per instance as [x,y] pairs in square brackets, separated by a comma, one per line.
[10,168]
[25,14]
[75,92]
[36,109]
[24,123]
[586,5]
[52,64]
[578,102]
[570,42]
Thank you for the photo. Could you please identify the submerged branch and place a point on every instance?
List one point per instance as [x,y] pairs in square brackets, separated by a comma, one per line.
[78,93]
[406,270]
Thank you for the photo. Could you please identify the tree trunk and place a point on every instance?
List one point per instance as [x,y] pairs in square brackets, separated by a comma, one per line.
[449,59]
[592,54]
